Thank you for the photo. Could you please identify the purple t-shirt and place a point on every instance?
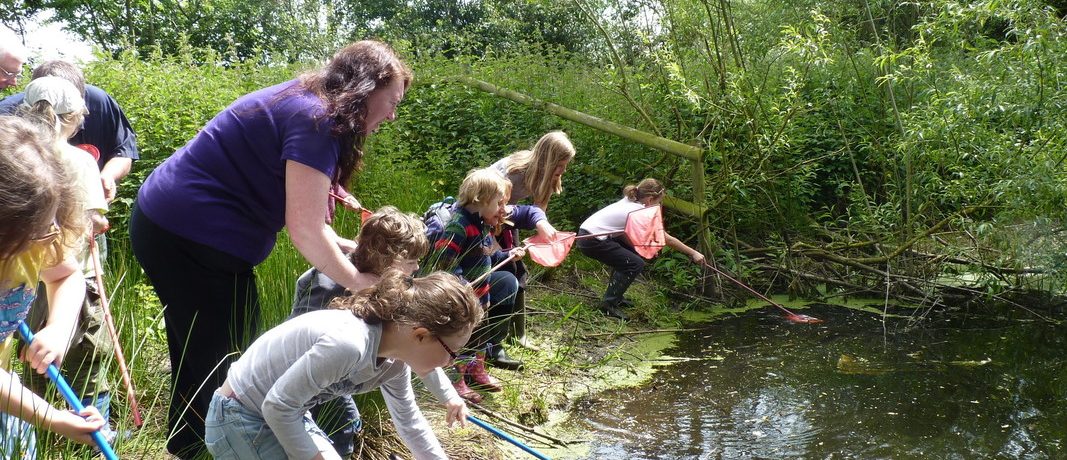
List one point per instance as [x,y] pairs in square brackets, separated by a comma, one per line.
[226,187]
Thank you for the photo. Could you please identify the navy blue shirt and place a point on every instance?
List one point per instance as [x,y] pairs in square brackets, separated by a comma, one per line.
[106,127]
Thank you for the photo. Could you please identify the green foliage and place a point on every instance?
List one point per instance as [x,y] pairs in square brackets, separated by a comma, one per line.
[445,27]
[288,32]
[825,122]
[260,31]
[819,117]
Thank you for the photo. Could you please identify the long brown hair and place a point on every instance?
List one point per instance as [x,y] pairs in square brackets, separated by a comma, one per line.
[344,84]
[37,191]
[440,302]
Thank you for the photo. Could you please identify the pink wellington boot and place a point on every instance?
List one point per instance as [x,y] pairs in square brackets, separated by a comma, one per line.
[480,378]
[465,391]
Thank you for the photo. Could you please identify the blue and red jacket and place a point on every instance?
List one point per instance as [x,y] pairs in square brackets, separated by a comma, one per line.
[463,249]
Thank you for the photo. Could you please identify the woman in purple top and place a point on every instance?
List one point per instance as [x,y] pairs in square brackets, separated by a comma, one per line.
[210,213]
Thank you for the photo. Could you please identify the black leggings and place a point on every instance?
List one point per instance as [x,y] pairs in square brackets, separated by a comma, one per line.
[211,309]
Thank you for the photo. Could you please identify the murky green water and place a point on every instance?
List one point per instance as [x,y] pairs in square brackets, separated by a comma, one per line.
[757,386]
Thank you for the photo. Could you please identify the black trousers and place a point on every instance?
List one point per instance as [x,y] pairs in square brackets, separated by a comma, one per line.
[493,329]
[614,252]
[211,308]
[618,254]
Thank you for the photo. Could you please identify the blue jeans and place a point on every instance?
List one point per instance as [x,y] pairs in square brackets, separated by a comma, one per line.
[18,441]
[102,402]
[232,431]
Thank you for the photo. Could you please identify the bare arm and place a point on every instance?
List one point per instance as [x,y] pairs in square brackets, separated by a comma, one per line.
[24,404]
[346,245]
[437,382]
[66,291]
[546,230]
[114,170]
[679,246]
[305,216]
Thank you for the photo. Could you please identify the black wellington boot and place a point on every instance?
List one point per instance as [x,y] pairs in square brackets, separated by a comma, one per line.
[613,295]
[497,357]
[517,326]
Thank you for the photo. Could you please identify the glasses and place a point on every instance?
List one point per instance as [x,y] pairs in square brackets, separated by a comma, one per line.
[5,74]
[451,353]
[53,232]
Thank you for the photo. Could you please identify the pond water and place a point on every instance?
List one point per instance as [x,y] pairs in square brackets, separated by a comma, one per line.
[757,386]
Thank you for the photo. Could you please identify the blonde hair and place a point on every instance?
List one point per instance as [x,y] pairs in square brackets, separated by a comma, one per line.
[646,188]
[537,165]
[37,191]
[388,236]
[440,302]
[482,185]
[43,114]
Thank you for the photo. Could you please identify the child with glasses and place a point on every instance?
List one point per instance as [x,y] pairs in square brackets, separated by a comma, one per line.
[41,226]
[374,339]
[389,239]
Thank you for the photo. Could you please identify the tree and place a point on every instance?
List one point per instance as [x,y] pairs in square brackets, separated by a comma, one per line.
[296,30]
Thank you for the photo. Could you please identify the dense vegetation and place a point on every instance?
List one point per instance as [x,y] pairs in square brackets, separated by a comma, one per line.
[876,147]
[911,149]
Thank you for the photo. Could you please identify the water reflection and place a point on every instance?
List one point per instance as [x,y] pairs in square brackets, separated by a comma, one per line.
[852,387]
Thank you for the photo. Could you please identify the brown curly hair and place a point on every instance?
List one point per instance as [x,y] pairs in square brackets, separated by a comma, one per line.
[439,302]
[388,236]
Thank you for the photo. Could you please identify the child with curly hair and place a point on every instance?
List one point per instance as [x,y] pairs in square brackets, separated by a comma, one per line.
[374,339]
